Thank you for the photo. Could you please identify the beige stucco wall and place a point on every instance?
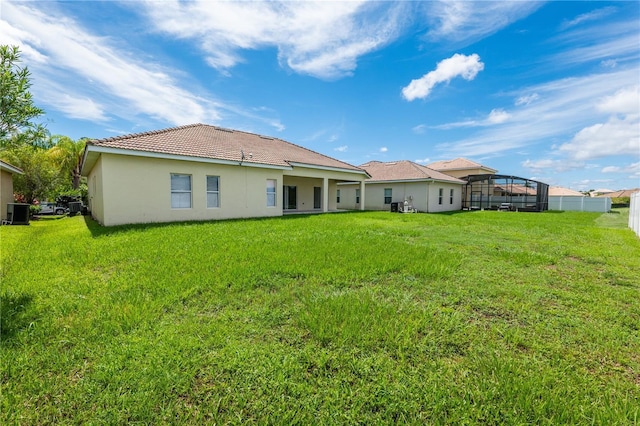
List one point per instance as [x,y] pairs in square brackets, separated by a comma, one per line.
[6,192]
[446,206]
[304,190]
[308,178]
[94,185]
[424,196]
[138,190]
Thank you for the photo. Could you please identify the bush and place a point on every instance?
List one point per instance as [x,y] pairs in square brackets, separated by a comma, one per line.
[34,210]
[620,202]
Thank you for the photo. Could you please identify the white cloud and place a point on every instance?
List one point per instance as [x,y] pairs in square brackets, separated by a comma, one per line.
[497,116]
[78,107]
[620,135]
[384,149]
[458,65]
[424,161]
[342,148]
[562,109]
[68,56]
[590,16]
[610,169]
[610,43]
[615,137]
[527,99]
[322,39]
[419,129]
[465,21]
[624,101]
[538,166]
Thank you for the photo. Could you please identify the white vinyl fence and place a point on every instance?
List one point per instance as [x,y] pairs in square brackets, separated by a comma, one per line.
[580,204]
[634,213]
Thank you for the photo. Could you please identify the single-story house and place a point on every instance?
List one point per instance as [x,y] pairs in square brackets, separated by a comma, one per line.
[418,187]
[461,167]
[6,186]
[203,172]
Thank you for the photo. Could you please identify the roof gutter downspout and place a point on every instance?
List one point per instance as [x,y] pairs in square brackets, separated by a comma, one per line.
[428,187]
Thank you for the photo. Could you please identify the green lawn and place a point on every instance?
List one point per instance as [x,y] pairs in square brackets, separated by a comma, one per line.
[464,318]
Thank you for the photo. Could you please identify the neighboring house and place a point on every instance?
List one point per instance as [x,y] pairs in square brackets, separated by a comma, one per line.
[6,186]
[601,191]
[461,167]
[422,188]
[559,191]
[619,194]
[202,172]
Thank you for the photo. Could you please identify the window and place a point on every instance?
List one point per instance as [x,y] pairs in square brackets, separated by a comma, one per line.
[271,192]
[213,191]
[338,196]
[387,195]
[451,196]
[440,195]
[180,191]
[357,196]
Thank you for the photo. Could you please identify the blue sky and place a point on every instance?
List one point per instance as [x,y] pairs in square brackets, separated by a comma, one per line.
[549,91]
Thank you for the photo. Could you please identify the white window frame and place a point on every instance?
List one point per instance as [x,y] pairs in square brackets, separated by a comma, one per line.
[272,193]
[388,198]
[451,196]
[440,195]
[177,204]
[357,195]
[216,193]
[338,196]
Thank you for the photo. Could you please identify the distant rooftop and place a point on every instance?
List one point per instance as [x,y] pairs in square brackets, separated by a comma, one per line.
[457,164]
[565,192]
[404,170]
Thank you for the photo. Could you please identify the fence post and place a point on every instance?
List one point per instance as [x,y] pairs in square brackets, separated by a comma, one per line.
[634,213]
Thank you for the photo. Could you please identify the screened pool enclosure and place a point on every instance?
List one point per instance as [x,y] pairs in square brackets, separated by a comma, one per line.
[502,192]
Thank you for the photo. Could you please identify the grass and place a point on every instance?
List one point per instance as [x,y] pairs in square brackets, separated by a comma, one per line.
[356,318]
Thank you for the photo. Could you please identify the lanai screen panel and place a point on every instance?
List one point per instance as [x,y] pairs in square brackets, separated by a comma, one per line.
[491,192]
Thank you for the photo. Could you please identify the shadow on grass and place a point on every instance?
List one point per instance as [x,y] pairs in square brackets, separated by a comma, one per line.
[98,230]
[14,315]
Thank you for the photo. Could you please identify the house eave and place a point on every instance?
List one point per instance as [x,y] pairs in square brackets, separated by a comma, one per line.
[328,168]
[89,160]
[10,168]
[415,181]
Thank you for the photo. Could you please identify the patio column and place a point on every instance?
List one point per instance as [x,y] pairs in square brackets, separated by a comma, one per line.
[325,195]
[362,195]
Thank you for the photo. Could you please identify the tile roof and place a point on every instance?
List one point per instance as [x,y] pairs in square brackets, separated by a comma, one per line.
[457,164]
[211,142]
[619,194]
[404,170]
[515,189]
[565,192]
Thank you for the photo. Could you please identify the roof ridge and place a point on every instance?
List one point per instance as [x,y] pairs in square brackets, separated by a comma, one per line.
[419,168]
[148,133]
[318,153]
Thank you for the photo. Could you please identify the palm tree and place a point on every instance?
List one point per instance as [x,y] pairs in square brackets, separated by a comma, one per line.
[67,153]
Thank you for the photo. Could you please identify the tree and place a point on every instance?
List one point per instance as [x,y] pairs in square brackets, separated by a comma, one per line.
[41,176]
[67,154]
[16,104]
